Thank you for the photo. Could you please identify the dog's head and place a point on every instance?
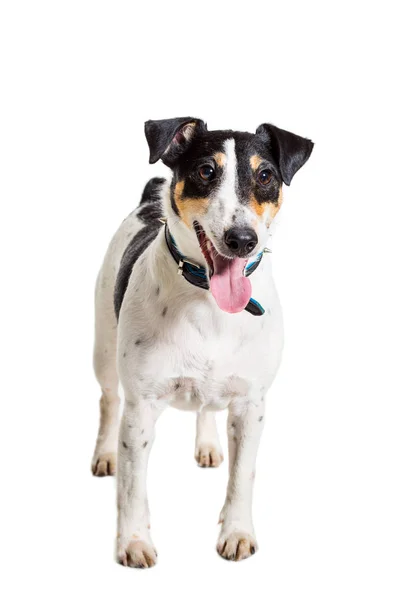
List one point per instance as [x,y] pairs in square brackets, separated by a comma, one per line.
[226,189]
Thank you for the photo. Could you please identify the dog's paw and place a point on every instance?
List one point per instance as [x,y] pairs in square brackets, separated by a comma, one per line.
[104,464]
[208,455]
[236,545]
[138,554]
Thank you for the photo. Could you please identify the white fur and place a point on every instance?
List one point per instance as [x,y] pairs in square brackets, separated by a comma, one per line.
[227,190]
[197,358]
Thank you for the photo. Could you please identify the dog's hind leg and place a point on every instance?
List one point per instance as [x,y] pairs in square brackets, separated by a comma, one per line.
[208,452]
[105,348]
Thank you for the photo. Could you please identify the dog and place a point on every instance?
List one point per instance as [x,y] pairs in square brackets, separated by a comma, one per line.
[187,315]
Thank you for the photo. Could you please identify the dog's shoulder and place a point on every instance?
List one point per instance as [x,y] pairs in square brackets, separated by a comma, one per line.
[148,213]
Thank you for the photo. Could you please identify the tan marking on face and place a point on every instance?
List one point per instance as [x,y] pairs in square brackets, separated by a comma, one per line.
[266,208]
[257,207]
[274,208]
[255,161]
[189,208]
[220,159]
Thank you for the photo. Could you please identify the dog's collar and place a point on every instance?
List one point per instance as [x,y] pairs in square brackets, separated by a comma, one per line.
[197,275]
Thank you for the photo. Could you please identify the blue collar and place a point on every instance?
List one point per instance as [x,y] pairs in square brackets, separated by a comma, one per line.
[197,275]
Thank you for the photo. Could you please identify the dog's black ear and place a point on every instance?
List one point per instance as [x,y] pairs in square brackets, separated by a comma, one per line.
[169,138]
[289,150]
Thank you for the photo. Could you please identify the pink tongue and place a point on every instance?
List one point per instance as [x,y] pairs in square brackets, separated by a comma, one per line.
[231,290]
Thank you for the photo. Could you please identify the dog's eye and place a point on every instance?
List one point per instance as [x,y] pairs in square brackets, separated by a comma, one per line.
[264,177]
[206,172]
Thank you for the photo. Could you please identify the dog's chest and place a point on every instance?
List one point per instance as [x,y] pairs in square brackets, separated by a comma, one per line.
[190,354]
[211,374]
[200,364]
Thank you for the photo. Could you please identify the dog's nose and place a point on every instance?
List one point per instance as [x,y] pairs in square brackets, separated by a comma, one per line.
[241,240]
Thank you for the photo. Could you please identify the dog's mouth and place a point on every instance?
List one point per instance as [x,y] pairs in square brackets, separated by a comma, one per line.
[230,288]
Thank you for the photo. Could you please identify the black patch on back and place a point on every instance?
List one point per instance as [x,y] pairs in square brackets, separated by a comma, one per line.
[135,248]
[150,208]
[149,212]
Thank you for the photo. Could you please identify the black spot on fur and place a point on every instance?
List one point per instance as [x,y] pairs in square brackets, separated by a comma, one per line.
[138,342]
[145,444]
[157,290]
[124,354]
[125,445]
[164,312]
[177,386]
[260,418]
[233,424]
[198,329]
[209,365]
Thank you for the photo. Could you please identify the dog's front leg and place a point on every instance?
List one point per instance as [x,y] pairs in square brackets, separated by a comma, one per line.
[237,539]
[134,545]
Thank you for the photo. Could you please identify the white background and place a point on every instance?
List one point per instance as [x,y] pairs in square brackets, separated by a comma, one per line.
[78,80]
